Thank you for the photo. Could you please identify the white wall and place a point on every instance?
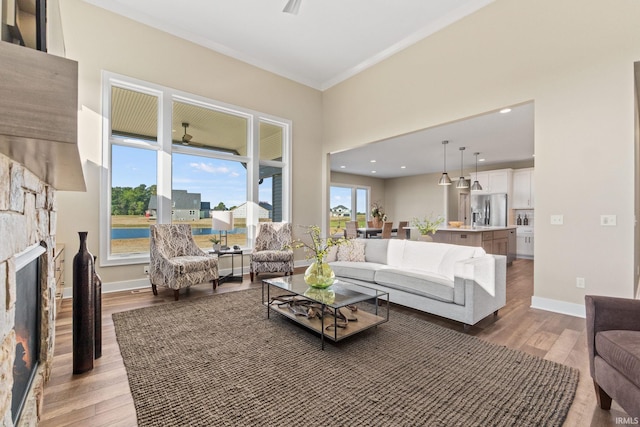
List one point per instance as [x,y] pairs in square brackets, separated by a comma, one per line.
[574,58]
[100,40]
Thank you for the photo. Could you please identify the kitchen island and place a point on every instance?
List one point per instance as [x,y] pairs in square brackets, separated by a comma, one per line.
[494,240]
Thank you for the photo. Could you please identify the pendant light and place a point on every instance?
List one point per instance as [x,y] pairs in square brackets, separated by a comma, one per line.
[462,183]
[476,185]
[444,179]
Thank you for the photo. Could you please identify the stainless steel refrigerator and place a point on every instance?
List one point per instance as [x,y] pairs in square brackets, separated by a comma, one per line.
[489,210]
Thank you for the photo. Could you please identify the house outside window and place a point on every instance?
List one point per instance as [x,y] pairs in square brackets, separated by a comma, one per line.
[347,203]
[171,156]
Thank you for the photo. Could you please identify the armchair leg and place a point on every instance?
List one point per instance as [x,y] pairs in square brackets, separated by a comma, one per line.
[154,288]
[215,283]
[176,294]
[604,400]
[251,276]
[495,313]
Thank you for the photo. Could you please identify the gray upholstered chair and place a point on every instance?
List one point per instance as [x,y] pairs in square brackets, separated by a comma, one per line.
[613,340]
[272,252]
[177,261]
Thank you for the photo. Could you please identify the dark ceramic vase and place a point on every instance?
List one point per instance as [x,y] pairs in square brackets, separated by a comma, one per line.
[97,313]
[83,308]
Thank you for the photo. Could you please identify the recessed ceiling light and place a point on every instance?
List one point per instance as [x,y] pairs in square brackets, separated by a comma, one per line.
[481,160]
[403,167]
[373,161]
[505,110]
[342,167]
[373,171]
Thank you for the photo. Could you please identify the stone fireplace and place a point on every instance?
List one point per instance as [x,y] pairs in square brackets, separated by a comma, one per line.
[27,220]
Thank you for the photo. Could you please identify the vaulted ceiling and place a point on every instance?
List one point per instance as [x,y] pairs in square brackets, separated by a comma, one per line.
[327,42]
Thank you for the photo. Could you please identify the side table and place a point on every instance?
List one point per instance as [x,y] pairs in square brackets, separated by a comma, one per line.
[231,252]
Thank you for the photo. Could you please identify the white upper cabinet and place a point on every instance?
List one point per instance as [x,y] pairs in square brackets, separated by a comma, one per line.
[523,195]
[492,182]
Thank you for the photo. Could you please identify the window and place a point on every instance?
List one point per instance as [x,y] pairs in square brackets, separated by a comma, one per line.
[130,214]
[170,156]
[348,203]
[272,171]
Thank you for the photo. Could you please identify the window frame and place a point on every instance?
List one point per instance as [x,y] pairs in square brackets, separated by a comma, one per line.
[164,150]
[354,198]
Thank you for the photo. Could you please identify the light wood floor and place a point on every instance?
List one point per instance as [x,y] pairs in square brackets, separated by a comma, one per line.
[101,397]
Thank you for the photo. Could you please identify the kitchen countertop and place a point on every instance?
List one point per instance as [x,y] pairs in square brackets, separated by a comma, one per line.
[478,229]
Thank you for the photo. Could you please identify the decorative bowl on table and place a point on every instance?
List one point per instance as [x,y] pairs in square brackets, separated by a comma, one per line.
[455,224]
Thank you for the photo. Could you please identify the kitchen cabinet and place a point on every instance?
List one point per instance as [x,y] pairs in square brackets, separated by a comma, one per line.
[492,182]
[523,195]
[496,242]
[466,239]
[524,244]
[511,245]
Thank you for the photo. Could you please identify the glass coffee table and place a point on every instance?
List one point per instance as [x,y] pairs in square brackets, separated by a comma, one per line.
[342,310]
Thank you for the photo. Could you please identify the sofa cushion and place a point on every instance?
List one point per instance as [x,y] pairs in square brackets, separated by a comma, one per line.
[430,285]
[192,263]
[621,349]
[356,270]
[272,256]
[423,256]
[395,252]
[456,253]
[332,253]
[375,250]
[353,251]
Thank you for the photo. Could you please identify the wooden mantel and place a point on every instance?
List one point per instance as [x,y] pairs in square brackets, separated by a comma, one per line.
[39,115]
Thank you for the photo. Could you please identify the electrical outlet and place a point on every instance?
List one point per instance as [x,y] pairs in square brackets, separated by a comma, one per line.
[607,220]
[557,219]
[146,270]
[580,282]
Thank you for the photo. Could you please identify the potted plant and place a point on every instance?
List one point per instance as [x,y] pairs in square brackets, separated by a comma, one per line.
[216,243]
[429,224]
[378,215]
[319,274]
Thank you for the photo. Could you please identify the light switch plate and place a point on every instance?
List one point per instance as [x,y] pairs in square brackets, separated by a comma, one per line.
[607,220]
[557,219]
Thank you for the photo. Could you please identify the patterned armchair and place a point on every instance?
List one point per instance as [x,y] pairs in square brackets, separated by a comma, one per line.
[176,261]
[272,253]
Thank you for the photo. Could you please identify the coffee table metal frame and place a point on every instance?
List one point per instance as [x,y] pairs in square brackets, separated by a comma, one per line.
[345,294]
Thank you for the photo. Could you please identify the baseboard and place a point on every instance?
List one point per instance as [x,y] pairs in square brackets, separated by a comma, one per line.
[128,285]
[556,306]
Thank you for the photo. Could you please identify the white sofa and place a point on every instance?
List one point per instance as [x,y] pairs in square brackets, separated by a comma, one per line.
[461,283]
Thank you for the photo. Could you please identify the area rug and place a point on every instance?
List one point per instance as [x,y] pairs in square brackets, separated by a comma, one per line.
[218,361]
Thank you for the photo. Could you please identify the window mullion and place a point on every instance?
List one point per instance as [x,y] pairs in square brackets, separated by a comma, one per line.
[164,160]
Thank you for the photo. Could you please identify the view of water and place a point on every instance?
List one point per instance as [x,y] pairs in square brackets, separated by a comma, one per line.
[138,233]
